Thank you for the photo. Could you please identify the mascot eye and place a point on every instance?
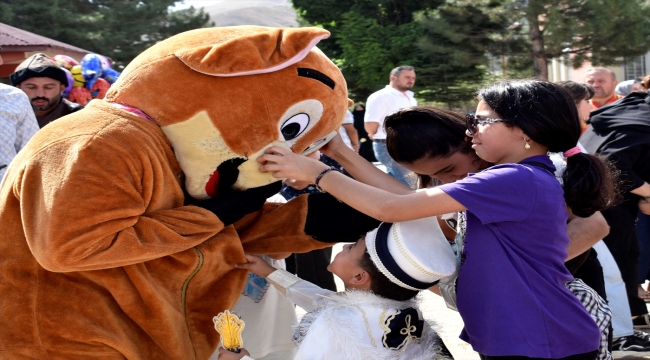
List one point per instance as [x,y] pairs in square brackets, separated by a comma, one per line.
[294,126]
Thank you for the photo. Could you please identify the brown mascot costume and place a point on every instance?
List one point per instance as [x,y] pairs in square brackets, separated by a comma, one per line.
[120,223]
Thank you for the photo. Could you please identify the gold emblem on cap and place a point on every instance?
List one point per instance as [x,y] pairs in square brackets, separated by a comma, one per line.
[230,327]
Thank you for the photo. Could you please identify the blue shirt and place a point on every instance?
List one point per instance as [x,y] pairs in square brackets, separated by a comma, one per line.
[511,292]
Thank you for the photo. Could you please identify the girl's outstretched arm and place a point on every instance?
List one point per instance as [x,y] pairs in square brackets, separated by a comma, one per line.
[361,169]
[377,203]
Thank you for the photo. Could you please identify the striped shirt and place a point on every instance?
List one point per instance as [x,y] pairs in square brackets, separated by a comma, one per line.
[599,311]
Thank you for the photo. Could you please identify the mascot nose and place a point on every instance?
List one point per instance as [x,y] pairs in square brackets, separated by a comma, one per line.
[224,177]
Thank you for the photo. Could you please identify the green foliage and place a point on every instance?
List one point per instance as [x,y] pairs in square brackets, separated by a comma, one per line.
[454,48]
[333,14]
[600,31]
[119,29]
[370,51]
[371,37]
[447,41]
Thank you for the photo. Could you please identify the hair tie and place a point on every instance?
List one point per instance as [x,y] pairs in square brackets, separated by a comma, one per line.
[574,150]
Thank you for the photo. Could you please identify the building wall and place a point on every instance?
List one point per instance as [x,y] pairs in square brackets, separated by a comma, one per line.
[560,69]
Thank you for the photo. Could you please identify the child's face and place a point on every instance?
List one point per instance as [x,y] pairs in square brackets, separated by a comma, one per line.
[447,169]
[496,142]
[346,263]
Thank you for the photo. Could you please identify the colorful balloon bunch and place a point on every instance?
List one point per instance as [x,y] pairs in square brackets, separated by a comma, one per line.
[89,79]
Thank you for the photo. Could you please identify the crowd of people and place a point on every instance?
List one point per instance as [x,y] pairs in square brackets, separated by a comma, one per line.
[534,209]
[507,172]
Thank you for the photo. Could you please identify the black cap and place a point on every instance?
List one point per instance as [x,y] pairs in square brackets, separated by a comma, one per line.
[38,65]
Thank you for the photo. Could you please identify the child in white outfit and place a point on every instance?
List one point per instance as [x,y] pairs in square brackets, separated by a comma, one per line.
[377,316]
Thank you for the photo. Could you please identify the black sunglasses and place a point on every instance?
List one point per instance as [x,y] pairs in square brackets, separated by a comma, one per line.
[472,122]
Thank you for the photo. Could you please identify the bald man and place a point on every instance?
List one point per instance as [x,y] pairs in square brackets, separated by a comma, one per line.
[604,83]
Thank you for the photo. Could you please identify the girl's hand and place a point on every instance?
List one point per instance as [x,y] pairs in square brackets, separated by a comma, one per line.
[334,146]
[257,266]
[644,206]
[285,164]
[299,185]
[229,355]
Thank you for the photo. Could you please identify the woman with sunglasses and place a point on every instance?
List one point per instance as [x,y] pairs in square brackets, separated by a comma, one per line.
[511,292]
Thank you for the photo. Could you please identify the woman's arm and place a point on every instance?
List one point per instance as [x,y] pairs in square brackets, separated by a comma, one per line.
[377,203]
[584,232]
[643,190]
[361,169]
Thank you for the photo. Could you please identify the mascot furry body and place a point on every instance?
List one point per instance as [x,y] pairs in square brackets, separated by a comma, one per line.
[104,255]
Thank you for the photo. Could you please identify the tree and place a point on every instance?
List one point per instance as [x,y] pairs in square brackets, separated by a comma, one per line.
[454,47]
[119,29]
[369,38]
[331,14]
[369,51]
[599,31]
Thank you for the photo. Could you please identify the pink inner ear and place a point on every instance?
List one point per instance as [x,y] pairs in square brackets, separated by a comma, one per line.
[297,58]
[212,186]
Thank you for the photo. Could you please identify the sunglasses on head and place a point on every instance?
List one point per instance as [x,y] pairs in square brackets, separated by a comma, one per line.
[472,122]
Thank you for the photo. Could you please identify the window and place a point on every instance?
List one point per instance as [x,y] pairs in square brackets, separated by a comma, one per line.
[635,67]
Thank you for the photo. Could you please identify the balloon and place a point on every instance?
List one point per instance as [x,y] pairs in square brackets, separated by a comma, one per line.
[79,80]
[80,95]
[91,68]
[65,61]
[68,74]
[100,88]
[111,75]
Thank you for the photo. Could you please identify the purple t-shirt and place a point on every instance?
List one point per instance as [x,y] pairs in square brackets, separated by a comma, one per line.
[511,292]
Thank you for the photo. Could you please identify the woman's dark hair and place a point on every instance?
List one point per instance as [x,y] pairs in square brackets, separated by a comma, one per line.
[420,132]
[380,285]
[548,115]
[577,91]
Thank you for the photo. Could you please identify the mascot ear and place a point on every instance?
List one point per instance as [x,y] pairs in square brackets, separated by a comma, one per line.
[265,52]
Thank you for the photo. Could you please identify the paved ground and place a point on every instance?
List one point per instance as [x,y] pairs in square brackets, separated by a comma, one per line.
[450,325]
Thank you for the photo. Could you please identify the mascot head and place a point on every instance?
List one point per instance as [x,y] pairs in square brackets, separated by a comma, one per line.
[224,95]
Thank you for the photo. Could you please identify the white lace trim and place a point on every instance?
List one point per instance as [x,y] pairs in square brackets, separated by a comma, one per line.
[334,309]
[282,280]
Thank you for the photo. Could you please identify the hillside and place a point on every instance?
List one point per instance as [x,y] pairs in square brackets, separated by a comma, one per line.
[277,13]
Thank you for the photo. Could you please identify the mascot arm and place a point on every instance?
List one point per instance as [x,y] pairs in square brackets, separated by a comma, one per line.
[305,223]
[234,205]
[99,204]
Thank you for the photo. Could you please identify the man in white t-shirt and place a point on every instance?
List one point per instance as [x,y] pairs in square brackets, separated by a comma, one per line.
[396,95]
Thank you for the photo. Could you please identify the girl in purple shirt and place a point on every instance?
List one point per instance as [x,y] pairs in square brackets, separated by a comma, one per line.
[511,291]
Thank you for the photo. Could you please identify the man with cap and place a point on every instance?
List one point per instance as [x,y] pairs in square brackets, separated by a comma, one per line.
[43,81]
[377,316]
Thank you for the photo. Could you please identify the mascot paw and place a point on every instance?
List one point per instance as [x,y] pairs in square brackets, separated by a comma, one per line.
[234,205]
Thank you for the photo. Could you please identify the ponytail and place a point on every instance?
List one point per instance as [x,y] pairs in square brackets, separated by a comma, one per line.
[589,184]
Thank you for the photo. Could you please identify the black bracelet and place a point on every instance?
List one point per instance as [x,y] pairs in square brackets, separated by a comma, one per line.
[320,176]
